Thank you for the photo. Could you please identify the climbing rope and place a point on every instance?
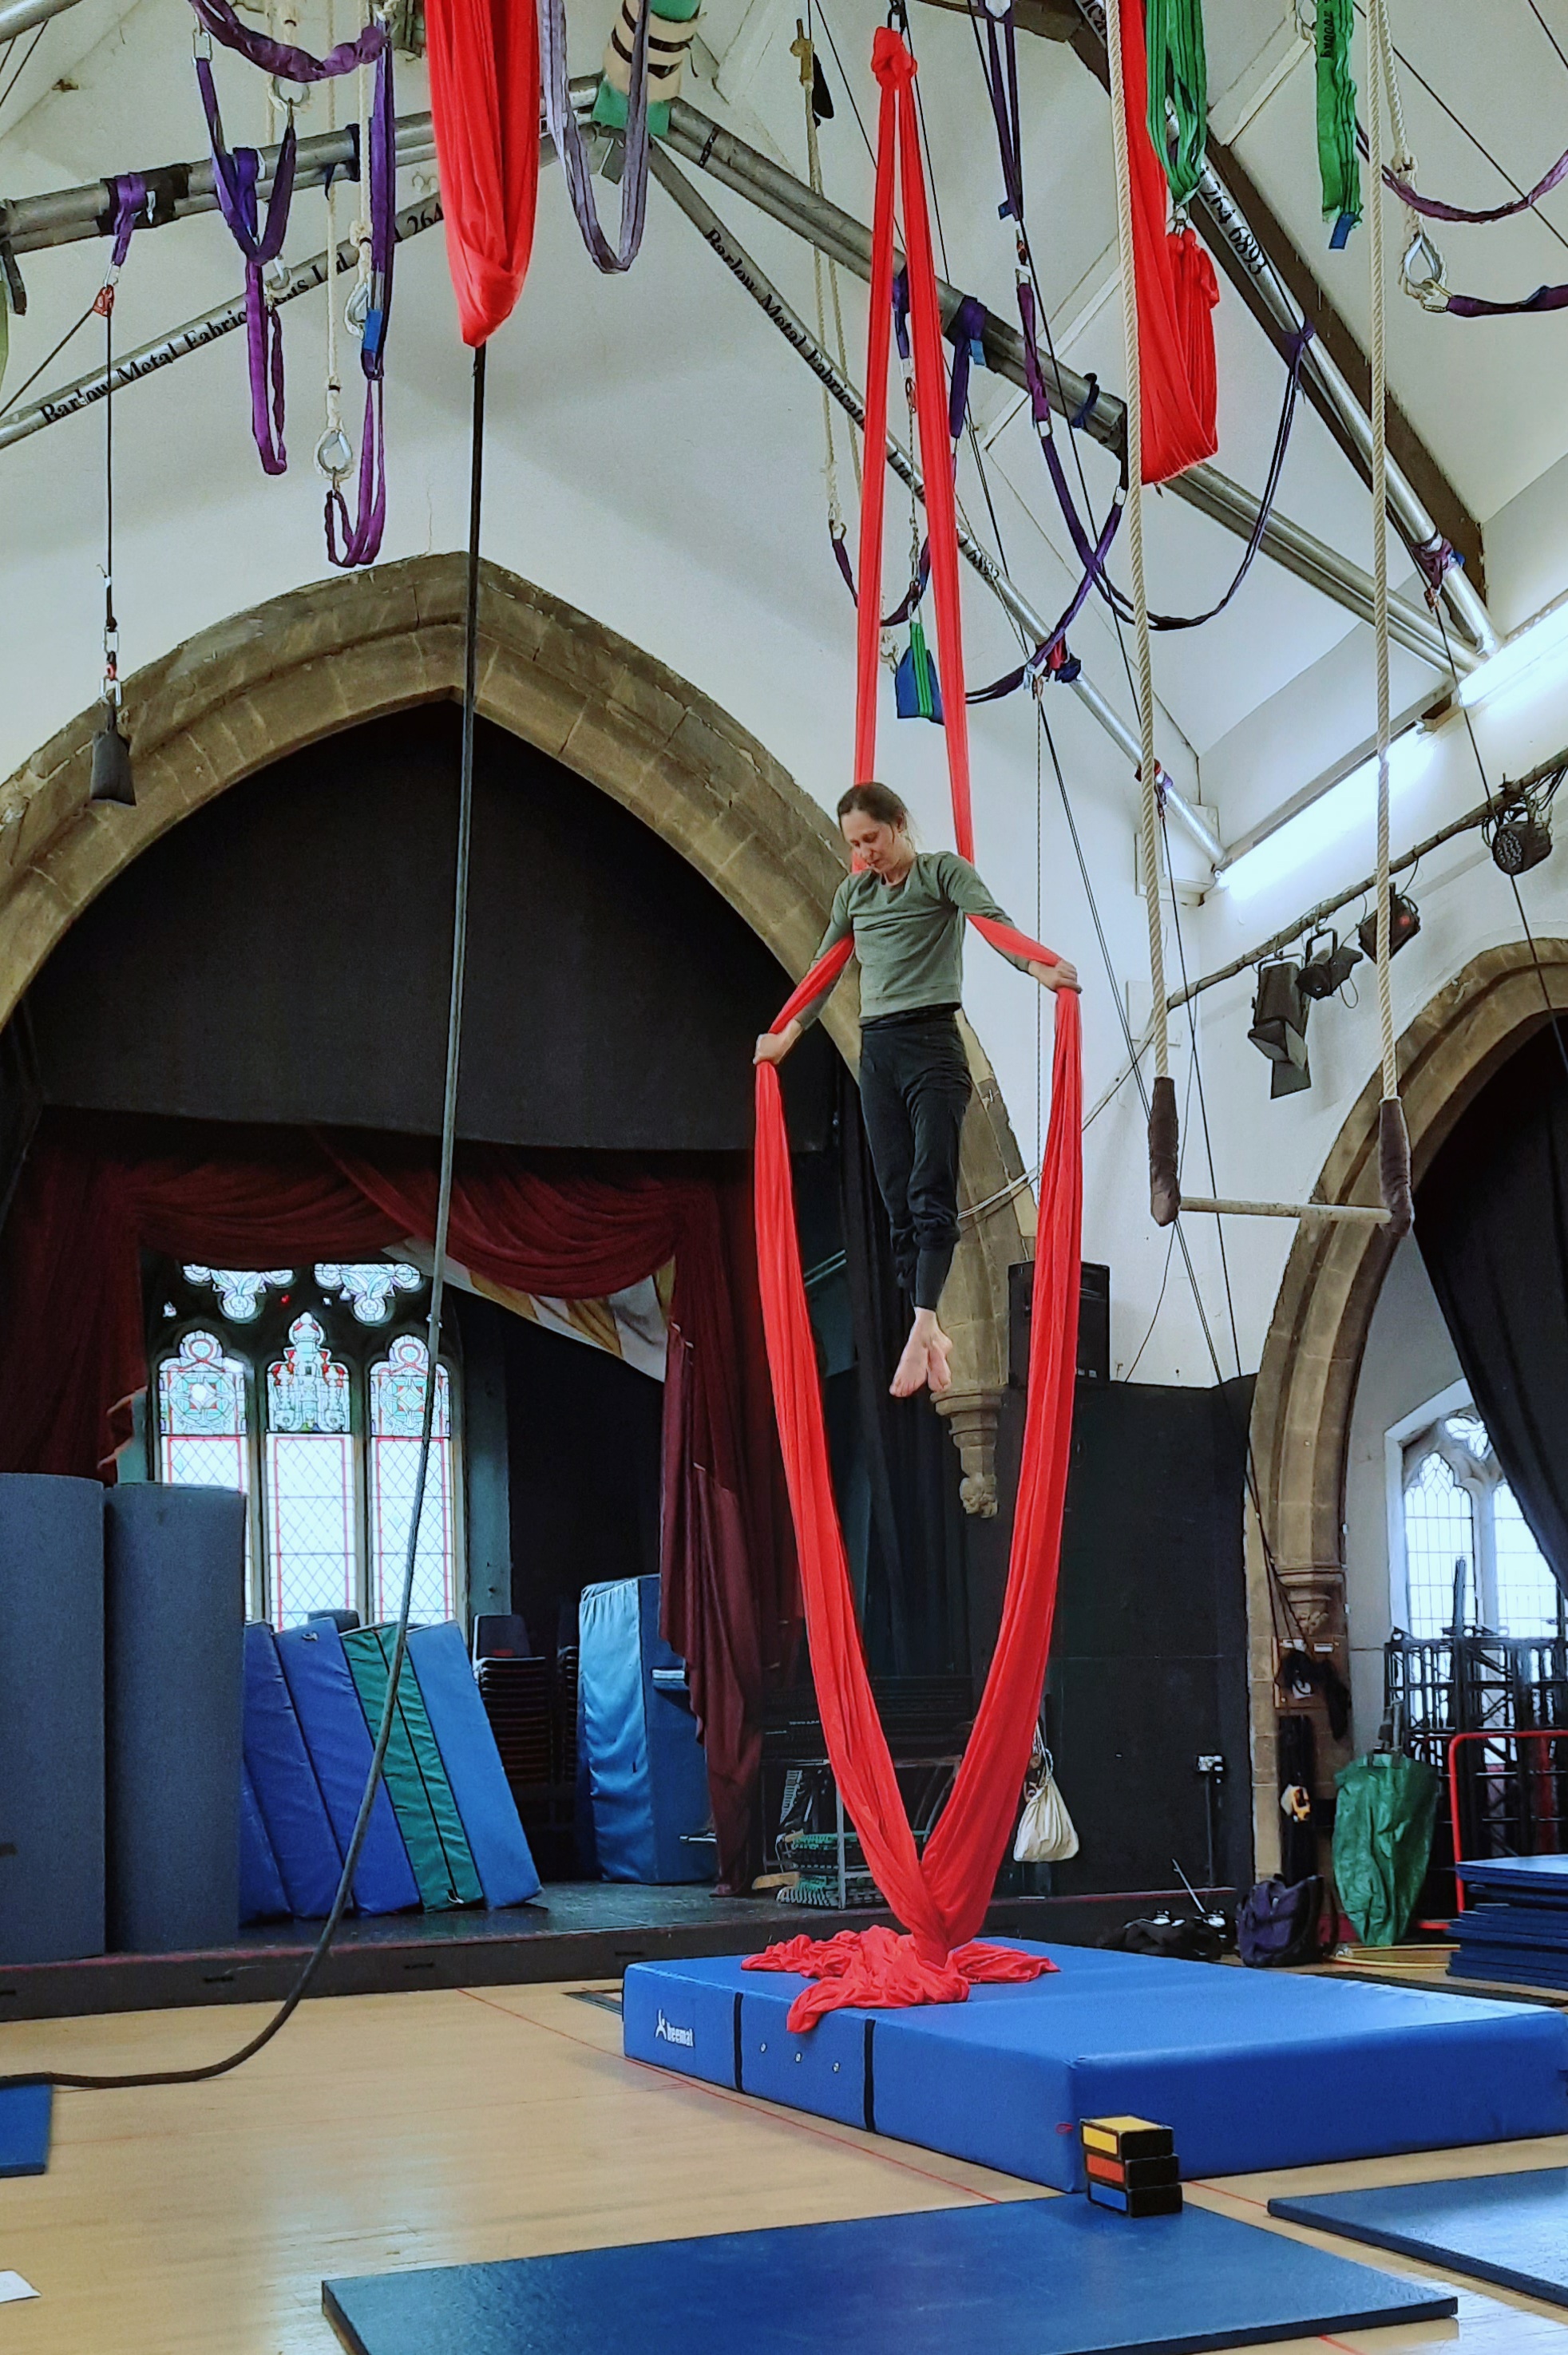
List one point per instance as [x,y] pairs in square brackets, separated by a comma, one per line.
[825,281]
[1393,1141]
[1164,1195]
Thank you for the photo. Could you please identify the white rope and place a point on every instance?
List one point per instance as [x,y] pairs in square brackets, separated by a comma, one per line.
[1377,28]
[1148,776]
[803,48]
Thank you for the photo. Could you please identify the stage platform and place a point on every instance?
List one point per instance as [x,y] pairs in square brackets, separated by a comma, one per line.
[1252,2069]
[576,1930]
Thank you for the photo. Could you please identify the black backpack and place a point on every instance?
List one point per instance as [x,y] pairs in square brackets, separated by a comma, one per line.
[1280,1924]
[1179,1936]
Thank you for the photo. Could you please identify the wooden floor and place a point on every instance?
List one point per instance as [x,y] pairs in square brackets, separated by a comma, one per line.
[387,2131]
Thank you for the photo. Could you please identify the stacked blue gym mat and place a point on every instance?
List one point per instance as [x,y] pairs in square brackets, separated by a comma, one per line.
[443,1831]
[1514,1927]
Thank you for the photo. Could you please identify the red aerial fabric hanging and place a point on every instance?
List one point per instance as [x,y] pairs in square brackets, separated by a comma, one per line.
[940,1896]
[484,98]
[1177,292]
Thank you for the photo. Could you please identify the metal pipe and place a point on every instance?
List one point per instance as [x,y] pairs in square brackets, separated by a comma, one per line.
[1358,1214]
[1505,797]
[845,240]
[29,224]
[739,262]
[1227,220]
[194,336]
[21,15]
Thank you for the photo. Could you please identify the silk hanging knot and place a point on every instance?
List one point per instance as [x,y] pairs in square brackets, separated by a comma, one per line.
[892,60]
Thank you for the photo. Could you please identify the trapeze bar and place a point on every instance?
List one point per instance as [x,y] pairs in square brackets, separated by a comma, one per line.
[839,235]
[1353,1214]
[736,259]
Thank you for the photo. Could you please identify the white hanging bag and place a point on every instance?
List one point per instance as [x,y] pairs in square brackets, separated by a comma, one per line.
[1046,1834]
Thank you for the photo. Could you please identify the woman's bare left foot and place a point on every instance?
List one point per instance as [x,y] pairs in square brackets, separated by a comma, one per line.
[938,1368]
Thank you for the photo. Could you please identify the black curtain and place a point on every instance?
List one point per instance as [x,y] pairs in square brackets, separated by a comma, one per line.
[914,1569]
[1491,1218]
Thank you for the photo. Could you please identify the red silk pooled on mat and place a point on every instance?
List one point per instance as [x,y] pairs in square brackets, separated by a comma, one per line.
[484,97]
[1177,293]
[876,1970]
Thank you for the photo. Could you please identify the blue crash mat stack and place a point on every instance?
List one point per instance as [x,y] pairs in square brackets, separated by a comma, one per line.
[1514,1927]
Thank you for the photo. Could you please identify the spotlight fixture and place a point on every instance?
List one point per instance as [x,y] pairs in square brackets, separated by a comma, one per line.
[1403,923]
[1279,1027]
[112,759]
[1520,838]
[1327,964]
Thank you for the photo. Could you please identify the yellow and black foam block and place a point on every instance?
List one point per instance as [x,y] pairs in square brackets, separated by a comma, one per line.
[1132,2166]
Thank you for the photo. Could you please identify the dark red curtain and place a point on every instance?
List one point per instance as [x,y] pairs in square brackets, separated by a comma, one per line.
[70,1281]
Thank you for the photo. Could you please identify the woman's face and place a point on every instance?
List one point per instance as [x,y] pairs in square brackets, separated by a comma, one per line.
[880,847]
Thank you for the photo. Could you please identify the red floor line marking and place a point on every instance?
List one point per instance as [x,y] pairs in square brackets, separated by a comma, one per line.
[778,2112]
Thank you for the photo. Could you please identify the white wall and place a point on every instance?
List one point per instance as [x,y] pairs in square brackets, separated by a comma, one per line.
[1409,1359]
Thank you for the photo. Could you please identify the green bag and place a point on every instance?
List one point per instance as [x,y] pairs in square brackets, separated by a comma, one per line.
[1383,1841]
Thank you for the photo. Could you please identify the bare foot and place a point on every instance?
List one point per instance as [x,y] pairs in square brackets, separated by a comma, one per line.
[909,1375]
[938,1372]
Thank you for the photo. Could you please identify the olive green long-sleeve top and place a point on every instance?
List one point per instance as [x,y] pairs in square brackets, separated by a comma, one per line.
[909,936]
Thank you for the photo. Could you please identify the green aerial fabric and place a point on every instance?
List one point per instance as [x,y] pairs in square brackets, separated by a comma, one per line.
[416,1779]
[1178,72]
[1337,161]
[1383,1839]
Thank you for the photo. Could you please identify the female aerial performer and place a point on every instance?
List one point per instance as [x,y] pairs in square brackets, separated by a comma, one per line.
[906,910]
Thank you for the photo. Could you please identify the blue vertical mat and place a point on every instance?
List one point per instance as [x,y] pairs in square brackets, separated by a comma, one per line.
[284,1782]
[502,1859]
[340,1747]
[174,1622]
[262,1897]
[647,1775]
[1022,2277]
[51,1718]
[26,2116]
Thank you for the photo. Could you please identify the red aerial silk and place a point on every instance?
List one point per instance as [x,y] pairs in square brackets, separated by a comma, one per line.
[1176,292]
[484,96]
[941,1896]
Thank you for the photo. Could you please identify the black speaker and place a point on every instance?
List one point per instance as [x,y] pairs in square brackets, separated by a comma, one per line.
[1094,1321]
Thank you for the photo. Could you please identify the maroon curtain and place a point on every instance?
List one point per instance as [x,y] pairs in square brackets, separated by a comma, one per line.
[76,1353]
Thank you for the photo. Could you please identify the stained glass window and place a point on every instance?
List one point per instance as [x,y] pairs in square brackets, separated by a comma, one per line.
[397,1411]
[240,1290]
[309,1475]
[1458,1507]
[203,1426]
[369,1287]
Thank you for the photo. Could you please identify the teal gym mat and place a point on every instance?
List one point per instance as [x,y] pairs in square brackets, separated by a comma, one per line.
[416,1780]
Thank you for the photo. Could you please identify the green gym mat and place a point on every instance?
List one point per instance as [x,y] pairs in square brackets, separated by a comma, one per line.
[416,1779]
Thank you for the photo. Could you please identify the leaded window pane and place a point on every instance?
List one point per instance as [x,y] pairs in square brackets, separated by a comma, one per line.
[396,1412]
[240,1290]
[202,1418]
[1439,1531]
[369,1287]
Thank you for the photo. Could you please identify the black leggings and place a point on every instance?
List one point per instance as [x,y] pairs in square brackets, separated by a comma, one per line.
[915,1089]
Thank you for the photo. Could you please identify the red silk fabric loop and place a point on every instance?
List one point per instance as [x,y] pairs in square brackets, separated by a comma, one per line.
[876,1970]
[484,98]
[1176,292]
[941,1897]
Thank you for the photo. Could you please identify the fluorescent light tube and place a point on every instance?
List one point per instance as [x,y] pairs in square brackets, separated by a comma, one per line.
[1540,640]
[1345,808]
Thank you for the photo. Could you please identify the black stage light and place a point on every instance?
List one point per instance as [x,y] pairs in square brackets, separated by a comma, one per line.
[1327,964]
[1279,1026]
[1404,923]
[112,760]
[1520,839]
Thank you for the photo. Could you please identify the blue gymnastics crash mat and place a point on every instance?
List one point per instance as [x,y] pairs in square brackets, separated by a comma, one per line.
[1252,2069]
[1511,2228]
[27,2114]
[1021,2278]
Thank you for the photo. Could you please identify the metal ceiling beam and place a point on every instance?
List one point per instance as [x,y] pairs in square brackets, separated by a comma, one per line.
[21,15]
[774,190]
[1278,285]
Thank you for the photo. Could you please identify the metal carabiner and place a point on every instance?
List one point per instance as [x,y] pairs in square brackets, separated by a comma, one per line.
[1422,272]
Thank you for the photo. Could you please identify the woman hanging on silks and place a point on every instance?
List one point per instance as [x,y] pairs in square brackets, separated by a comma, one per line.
[905,910]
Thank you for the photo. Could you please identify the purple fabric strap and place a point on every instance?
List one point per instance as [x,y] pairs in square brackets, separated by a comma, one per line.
[912,595]
[127,206]
[235,176]
[1434,207]
[354,540]
[567,138]
[281,58]
[1476,306]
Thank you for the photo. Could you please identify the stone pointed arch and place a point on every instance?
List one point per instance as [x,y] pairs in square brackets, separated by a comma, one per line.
[1312,1357]
[265,683]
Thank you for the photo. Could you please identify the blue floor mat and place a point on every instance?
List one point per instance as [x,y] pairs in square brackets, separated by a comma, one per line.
[27,2112]
[1253,2069]
[1510,2229]
[1023,2277]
